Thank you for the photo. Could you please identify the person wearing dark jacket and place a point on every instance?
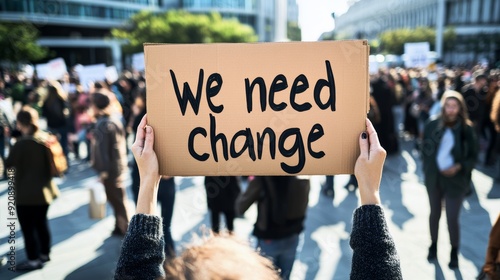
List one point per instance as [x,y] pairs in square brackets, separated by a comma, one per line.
[34,188]
[222,192]
[109,159]
[385,100]
[449,153]
[142,256]
[281,212]
[56,110]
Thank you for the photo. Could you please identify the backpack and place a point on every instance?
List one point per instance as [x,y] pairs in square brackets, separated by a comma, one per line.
[57,159]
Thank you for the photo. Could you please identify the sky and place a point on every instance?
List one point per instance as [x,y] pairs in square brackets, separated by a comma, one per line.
[315,16]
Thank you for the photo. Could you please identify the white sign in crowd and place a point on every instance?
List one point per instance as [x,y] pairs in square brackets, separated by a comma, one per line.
[56,69]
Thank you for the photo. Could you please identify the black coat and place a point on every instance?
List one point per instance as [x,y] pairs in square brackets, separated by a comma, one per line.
[222,192]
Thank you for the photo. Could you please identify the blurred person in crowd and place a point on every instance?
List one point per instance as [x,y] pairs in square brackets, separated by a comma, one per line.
[4,135]
[222,257]
[109,158]
[82,122]
[115,109]
[35,189]
[495,117]
[410,123]
[474,95]
[17,89]
[422,104]
[3,92]
[139,110]
[56,110]
[281,211]
[435,110]
[492,149]
[385,100]
[222,192]
[458,81]
[491,267]
[126,86]
[449,152]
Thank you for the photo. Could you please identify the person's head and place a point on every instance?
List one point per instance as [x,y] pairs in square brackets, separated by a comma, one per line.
[480,81]
[220,257]
[27,121]
[100,104]
[453,107]
[101,86]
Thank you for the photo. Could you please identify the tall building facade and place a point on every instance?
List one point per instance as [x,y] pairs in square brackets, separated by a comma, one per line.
[476,23]
[79,30]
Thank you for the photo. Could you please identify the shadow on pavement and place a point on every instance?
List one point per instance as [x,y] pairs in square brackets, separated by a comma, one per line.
[439,275]
[101,267]
[344,215]
[474,219]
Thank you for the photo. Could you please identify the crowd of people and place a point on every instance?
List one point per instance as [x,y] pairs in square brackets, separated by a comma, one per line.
[452,115]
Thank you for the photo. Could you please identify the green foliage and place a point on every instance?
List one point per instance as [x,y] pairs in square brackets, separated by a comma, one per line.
[177,26]
[330,36]
[393,41]
[293,31]
[18,43]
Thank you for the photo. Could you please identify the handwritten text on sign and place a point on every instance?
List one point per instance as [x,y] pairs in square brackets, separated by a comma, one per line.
[254,146]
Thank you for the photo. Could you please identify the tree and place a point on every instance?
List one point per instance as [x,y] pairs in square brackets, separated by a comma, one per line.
[393,41]
[293,31]
[18,43]
[177,26]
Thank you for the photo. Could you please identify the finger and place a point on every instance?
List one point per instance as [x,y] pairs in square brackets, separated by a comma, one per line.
[372,135]
[150,139]
[139,137]
[364,146]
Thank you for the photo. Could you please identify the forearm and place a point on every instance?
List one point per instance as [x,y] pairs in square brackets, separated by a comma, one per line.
[147,200]
[142,254]
[369,197]
[374,251]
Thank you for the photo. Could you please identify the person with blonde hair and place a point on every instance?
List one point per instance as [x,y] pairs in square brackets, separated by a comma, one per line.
[449,153]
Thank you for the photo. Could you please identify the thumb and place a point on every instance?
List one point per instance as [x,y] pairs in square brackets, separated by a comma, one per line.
[150,139]
[364,146]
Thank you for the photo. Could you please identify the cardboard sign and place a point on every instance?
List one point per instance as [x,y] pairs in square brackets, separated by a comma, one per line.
[257,109]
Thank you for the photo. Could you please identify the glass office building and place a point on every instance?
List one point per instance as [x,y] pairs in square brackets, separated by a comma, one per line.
[476,23]
[79,31]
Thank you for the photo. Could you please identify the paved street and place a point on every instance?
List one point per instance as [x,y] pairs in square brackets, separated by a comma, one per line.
[84,249]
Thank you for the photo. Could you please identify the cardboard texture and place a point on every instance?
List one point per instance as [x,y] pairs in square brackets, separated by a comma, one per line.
[312,97]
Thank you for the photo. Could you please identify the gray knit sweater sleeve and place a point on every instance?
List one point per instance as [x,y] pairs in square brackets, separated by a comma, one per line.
[374,253]
[142,253]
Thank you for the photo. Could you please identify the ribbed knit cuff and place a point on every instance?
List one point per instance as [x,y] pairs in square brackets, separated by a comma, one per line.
[369,217]
[144,224]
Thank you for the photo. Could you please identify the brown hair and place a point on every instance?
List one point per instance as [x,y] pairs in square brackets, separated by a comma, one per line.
[28,117]
[464,113]
[220,257]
